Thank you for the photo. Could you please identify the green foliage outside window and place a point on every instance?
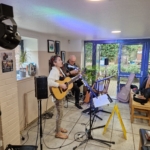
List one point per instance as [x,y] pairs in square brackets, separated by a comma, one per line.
[109,50]
[113,69]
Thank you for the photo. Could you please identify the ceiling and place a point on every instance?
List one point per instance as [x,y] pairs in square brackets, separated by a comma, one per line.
[83,19]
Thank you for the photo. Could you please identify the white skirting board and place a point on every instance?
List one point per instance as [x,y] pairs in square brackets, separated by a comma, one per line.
[31,107]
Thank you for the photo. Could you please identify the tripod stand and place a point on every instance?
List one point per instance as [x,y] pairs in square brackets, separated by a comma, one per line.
[92,111]
[89,136]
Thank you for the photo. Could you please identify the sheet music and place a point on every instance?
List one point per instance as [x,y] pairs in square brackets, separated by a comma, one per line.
[102,100]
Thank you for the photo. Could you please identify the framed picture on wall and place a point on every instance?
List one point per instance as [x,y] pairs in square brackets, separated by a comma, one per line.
[7,62]
[51,46]
[63,54]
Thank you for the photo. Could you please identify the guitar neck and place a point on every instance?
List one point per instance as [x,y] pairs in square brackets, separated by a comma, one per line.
[74,79]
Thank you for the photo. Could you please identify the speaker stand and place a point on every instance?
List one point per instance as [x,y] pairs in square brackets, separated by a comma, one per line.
[40,120]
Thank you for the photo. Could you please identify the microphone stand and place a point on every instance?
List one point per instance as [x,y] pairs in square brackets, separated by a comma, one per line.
[89,135]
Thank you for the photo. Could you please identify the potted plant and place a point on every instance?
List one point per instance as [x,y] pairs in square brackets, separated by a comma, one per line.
[91,74]
[22,60]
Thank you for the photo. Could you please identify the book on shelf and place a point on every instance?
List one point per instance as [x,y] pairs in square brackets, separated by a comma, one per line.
[144,141]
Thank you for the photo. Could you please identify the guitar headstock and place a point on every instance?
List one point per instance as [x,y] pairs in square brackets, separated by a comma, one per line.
[83,72]
[79,76]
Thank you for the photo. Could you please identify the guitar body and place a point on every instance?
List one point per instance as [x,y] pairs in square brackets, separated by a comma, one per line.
[58,92]
[124,94]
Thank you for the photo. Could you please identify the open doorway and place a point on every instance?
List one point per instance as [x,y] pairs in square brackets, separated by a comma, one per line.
[109,52]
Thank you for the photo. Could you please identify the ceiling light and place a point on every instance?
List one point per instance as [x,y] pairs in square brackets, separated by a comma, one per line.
[117,31]
[95,0]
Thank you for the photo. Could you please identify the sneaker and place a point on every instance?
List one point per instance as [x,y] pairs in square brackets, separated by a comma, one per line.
[78,106]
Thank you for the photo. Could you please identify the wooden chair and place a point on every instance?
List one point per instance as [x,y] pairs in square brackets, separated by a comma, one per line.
[135,106]
[105,87]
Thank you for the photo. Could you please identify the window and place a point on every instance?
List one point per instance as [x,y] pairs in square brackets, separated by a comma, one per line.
[30,46]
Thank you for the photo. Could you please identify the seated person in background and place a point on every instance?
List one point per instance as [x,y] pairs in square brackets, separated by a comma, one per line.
[72,70]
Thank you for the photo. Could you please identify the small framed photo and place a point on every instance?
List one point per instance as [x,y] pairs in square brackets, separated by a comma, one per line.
[7,62]
[63,54]
[51,46]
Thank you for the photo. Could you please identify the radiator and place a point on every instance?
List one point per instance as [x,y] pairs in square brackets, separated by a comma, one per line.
[31,107]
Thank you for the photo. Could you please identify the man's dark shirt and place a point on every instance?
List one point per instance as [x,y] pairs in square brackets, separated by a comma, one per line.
[69,68]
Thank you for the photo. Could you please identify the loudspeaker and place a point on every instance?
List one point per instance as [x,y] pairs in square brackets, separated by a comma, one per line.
[57,47]
[9,37]
[6,10]
[106,61]
[41,90]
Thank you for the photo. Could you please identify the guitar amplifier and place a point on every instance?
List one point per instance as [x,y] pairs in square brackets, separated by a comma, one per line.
[41,89]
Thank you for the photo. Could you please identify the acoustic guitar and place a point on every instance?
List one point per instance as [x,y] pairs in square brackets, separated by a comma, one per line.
[60,93]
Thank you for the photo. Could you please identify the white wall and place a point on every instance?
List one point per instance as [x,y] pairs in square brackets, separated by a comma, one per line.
[9,104]
[75,45]
[42,39]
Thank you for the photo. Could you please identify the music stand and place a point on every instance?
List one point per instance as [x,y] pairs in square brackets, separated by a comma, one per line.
[96,111]
[98,90]
[89,136]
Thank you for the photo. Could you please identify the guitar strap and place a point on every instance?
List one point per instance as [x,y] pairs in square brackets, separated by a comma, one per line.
[62,73]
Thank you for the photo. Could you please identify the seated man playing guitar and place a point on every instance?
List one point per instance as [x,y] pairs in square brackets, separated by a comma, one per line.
[72,70]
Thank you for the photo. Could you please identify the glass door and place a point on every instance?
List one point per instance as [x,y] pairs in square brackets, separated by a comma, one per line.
[125,57]
[130,61]
[110,52]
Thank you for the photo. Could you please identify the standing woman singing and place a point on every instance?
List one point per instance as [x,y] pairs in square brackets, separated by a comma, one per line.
[57,74]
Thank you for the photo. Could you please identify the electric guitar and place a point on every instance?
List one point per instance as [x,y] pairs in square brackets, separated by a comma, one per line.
[60,93]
